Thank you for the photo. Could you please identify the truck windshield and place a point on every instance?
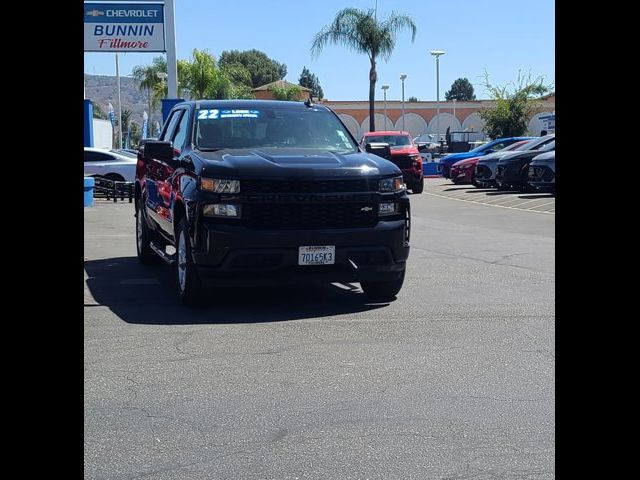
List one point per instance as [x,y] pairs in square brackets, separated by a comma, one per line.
[311,128]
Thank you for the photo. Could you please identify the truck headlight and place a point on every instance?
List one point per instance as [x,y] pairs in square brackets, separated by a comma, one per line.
[221,210]
[217,185]
[393,184]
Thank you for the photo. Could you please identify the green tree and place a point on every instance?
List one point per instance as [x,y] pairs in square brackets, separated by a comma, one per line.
[126,119]
[513,107]
[285,92]
[201,74]
[461,90]
[136,133]
[98,112]
[309,80]
[148,79]
[362,32]
[412,99]
[262,69]
[162,91]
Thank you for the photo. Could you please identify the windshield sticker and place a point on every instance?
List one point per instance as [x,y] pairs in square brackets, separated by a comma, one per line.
[217,114]
[239,113]
[207,114]
[344,138]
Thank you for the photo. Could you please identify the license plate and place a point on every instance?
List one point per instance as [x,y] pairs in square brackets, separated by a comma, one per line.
[317,255]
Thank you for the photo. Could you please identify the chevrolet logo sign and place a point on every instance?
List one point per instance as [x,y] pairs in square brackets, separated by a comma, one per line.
[366,209]
[95,13]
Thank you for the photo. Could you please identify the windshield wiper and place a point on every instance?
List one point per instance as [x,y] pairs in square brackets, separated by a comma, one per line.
[209,149]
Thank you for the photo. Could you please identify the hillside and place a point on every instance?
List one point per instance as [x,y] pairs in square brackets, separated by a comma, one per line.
[101,89]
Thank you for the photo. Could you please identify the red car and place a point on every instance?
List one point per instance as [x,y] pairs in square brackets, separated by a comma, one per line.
[404,153]
[463,172]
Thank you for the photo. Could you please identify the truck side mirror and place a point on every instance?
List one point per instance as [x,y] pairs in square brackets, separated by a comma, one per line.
[158,149]
[380,149]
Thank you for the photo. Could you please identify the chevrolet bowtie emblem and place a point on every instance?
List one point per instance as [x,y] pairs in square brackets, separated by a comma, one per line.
[366,209]
[95,13]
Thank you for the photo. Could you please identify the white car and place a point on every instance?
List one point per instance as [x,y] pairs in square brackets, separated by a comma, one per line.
[119,165]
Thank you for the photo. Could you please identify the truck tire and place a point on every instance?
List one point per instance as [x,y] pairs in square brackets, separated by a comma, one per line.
[146,255]
[418,187]
[189,284]
[383,291]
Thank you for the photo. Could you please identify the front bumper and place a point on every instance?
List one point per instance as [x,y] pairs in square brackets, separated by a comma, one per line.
[461,176]
[511,174]
[231,254]
[410,176]
[541,176]
[444,170]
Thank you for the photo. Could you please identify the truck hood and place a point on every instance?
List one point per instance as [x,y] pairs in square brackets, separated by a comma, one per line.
[405,151]
[292,163]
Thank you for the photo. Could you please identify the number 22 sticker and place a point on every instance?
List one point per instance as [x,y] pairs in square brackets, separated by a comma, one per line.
[207,114]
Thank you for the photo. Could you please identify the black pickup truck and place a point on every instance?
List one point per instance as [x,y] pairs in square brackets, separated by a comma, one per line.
[255,191]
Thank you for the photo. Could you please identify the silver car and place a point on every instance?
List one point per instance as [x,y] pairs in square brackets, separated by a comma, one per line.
[542,171]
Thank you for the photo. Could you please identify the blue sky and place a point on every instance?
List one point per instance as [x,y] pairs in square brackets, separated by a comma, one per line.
[499,36]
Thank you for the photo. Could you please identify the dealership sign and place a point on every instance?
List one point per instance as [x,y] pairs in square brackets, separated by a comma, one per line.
[123,27]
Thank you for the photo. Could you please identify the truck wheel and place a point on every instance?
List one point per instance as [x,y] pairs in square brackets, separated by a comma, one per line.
[189,284]
[383,290]
[418,187]
[146,256]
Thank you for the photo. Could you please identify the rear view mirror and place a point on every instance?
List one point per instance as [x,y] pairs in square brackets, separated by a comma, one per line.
[158,149]
[380,149]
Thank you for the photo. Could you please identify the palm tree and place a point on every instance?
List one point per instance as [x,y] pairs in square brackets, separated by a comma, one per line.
[149,80]
[361,31]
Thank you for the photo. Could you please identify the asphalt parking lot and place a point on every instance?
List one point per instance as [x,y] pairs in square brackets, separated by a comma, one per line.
[453,380]
[540,202]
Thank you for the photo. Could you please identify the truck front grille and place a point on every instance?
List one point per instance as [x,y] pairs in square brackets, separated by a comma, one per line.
[402,161]
[307,186]
[293,216]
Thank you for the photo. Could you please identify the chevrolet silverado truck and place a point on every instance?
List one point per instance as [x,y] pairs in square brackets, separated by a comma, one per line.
[244,192]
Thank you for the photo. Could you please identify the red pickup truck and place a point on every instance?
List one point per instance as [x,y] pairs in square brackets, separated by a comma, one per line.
[404,153]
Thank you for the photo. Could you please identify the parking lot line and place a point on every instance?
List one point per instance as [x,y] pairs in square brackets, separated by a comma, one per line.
[508,199]
[544,204]
[489,204]
[529,201]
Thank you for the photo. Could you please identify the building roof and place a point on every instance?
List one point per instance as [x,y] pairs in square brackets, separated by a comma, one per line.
[281,84]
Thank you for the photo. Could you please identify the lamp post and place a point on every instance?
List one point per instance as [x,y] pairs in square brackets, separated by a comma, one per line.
[119,102]
[437,53]
[402,77]
[454,108]
[384,89]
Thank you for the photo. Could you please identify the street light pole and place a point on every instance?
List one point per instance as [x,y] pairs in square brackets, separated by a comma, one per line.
[402,77]
[119,103]
[384,89]
[454,108]
[437,53]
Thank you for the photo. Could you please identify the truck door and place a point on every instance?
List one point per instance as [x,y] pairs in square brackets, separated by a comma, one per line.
[158,171]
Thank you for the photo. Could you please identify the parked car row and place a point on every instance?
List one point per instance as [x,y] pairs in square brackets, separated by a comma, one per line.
[446,162]
[524,164]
